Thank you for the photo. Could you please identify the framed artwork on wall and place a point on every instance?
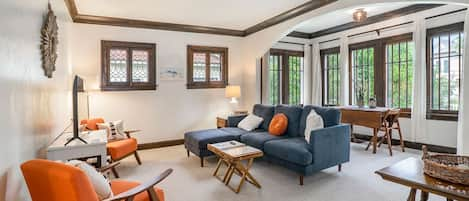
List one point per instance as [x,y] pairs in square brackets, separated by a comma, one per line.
[171,73]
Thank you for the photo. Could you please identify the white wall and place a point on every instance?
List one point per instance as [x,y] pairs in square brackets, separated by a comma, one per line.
[33,108]
[168,112]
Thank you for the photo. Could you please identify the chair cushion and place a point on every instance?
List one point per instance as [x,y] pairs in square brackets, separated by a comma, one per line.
[330,116]
[295,150]
[121,148]
[266,112]
[294,114]
[120,186]
[279,124]
[257,139]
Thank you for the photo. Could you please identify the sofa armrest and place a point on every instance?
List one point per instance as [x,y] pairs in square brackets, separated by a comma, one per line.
[330,146]
[234,120]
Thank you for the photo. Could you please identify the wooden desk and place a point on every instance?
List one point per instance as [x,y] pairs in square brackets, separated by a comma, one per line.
[96,147]
[409,172]
[367,117]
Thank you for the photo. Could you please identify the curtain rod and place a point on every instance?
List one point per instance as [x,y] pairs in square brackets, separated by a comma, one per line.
[380,29]
[293,43]
[448,13]
[326,41]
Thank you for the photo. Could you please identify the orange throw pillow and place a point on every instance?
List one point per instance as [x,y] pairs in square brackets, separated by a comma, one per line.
[279,124]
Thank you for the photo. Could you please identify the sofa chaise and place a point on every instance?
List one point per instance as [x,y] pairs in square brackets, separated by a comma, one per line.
[327,147]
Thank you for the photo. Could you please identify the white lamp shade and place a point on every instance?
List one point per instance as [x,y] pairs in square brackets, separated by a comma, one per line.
[233,91]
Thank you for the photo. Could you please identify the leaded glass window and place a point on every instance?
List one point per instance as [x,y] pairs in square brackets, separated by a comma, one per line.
[207,67]
[128,66]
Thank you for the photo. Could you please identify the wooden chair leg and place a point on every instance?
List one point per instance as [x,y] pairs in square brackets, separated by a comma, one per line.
[400,136]
[114,172]
[137,157]
[388,138]
[301,180]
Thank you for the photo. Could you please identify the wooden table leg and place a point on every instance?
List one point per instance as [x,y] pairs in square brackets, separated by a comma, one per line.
[412,194]
[423,196]
[218,167]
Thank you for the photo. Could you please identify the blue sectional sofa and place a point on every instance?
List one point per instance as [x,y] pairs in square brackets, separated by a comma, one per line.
[328,147]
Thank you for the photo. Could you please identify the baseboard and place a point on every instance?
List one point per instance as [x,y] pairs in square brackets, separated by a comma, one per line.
[414,145]
[154,145]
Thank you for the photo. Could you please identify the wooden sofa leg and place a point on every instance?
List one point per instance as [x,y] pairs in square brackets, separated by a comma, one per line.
[187,153]
[301,180]
[137,158]
[201,161]
[340,167]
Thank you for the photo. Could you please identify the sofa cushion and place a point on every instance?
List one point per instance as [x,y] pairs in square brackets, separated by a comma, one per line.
[257,139]
[234,130]
[294,114]
[331,116]
[295,150]
[266,112]
[200,139]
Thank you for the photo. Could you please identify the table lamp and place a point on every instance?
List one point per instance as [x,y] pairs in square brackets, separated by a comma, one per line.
[233,92]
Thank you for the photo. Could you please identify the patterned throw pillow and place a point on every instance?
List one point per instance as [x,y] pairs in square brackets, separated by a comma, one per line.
[115,130]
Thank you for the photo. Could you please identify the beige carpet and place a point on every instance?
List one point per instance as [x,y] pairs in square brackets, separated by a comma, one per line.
[356,182]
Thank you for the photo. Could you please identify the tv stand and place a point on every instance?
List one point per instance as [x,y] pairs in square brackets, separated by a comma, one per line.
[75,138]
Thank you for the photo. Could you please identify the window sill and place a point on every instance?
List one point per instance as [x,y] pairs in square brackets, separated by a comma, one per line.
[206,86]
[125,88]
[443,117]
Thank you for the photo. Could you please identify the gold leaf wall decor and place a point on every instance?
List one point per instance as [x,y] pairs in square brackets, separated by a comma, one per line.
[49,41]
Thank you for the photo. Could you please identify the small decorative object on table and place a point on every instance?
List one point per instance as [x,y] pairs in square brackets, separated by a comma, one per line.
[452,168]
[372,102]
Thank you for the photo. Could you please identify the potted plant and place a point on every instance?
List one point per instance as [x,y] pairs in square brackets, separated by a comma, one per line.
[360,96]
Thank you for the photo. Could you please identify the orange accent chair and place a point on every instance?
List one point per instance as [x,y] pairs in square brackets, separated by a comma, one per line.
[54,181]
[119,149]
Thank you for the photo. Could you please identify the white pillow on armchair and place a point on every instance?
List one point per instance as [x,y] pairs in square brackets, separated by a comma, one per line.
[115,130]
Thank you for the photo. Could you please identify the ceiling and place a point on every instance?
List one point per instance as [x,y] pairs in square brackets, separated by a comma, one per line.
[228,14]
[345,16]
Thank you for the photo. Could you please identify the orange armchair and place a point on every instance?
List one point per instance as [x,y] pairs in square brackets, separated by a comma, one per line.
[53,181]
[117,149]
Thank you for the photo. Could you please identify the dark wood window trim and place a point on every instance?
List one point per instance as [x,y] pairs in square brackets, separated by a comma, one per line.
[285,71]
[324,53]
[107,85]
[191,49]
[379,46]
[448,115]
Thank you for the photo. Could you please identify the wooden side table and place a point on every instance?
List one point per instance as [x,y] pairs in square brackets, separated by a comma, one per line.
[222,122]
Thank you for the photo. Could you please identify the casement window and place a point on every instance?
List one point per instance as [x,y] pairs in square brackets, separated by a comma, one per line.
[444,62]
[362,70]
[399,53]
[383,69]
[330,76]
[286,77]
[207,67]
[127,66]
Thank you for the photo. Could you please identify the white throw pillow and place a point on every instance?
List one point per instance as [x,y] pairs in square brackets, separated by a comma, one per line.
[250,122]
[100,183]
[115,130]
[313,122]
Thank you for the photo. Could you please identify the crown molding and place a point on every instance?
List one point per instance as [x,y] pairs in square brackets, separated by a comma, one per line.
[123,22]
[375,19]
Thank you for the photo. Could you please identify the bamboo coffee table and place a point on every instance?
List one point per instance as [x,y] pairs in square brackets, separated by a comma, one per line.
[232,154]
